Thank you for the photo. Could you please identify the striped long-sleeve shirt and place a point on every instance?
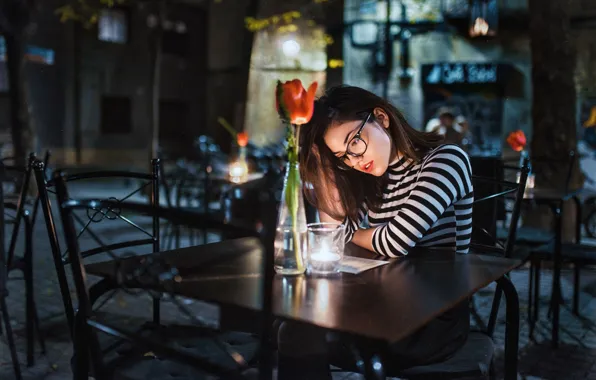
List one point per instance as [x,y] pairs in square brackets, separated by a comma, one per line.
[427,204]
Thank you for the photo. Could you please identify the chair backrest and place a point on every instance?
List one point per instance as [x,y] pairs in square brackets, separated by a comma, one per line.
[493,191]
[162,272]
[148,180]
[150,238]
[547,165]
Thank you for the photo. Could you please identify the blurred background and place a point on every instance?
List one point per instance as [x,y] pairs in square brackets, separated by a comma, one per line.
[117,81]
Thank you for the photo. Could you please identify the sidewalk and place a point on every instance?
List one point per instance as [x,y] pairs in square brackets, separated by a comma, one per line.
[575,359]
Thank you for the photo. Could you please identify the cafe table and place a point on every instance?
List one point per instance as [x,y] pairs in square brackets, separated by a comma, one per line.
[386,303]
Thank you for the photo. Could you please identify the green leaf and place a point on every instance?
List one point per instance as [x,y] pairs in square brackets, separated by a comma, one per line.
[224,123]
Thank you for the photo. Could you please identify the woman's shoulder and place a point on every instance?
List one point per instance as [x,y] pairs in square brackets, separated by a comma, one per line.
[449,151]
[450,155]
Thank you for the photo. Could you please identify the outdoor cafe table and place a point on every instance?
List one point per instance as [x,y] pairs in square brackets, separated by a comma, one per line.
[386,303]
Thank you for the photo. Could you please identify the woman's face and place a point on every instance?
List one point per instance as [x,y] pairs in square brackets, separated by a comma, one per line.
[377,145]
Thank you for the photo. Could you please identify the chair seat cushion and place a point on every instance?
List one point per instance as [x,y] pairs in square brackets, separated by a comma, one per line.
[473,359]
[132,364]
[570,251]
[528,235]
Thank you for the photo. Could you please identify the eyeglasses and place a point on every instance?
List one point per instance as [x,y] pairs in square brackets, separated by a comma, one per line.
[356,147]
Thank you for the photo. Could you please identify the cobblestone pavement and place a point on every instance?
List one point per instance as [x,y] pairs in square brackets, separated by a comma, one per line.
[575,359]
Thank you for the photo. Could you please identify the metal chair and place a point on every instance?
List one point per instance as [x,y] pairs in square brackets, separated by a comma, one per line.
[161,276]
[151,238]
[475,358]
[534,236]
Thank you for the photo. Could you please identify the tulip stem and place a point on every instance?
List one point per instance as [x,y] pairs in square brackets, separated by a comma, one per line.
[297,144]
[293,193]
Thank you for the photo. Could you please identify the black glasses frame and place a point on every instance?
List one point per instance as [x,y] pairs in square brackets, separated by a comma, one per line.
[342,165]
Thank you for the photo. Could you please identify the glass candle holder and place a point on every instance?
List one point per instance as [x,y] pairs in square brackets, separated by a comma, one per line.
[326,243]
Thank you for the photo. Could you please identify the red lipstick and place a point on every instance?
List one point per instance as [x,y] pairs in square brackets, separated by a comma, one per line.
[368,167]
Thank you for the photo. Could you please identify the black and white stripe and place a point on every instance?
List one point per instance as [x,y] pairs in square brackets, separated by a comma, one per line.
[428,204]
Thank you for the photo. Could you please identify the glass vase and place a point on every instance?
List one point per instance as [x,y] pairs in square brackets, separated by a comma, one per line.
[291,232]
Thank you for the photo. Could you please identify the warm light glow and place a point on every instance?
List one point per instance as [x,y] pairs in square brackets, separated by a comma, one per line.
[530,181]
[591,122]
[480,27]
[291,48]
[324,259]
[238,172]
[335,63]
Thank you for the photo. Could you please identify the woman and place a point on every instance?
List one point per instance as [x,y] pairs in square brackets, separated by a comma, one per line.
[368,167]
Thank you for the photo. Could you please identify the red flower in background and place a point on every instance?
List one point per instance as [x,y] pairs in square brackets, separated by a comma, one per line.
[517,140]
[295,104]
[242,139]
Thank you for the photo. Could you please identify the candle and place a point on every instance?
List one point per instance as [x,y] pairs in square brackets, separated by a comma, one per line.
[325,247]
[238,171]
[324,262]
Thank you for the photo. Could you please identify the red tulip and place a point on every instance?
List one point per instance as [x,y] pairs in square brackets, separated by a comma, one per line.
[242,139]
[295,104]
[517,140]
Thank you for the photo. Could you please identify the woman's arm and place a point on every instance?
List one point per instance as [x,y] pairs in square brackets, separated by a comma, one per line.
[444,179]
[352,226]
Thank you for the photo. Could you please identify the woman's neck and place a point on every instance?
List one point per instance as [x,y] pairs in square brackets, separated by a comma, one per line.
[396,158]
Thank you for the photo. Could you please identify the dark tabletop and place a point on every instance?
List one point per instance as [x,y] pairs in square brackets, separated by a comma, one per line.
[386,303]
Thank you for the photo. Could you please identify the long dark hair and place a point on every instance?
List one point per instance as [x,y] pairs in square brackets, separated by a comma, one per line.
[318,165]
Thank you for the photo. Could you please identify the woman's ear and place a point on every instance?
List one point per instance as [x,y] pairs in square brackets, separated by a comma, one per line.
[381,117]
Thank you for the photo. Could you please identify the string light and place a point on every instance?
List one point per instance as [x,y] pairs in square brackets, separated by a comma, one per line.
[335,63]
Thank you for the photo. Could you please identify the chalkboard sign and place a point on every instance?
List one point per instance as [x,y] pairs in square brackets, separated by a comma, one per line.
[453,73]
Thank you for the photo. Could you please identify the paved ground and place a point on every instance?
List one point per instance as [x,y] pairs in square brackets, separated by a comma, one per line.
[575,359]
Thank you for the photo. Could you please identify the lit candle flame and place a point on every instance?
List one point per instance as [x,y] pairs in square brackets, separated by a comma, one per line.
[480,27]
[238,172]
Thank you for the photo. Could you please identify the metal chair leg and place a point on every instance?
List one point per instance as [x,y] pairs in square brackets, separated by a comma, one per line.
[537,290]
[156,310]
[576,288]
[511,327]
[29,294]
[10,339]
[38,333]
[80,356]
[492,320]
[530,294]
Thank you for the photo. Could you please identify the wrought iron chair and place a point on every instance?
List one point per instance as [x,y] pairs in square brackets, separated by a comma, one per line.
[151,238]
[158,274]
[4,292]
[475,358]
